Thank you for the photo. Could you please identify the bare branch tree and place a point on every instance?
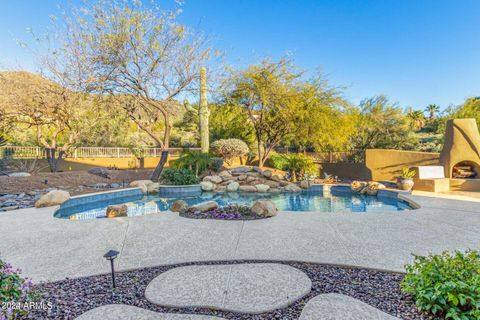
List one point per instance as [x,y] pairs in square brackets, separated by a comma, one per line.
[142,53]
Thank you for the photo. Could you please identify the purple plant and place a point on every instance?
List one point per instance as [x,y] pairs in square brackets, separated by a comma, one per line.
[229,212]
[13,289]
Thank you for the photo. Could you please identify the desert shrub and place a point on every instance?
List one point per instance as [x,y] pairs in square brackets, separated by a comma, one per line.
[447,284]
[216,164]
[196,161]
[229,149]
[13,288]
[178,176]
[299,166]
[277,161]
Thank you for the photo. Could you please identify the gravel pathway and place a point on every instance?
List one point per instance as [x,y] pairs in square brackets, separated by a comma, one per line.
[379,289]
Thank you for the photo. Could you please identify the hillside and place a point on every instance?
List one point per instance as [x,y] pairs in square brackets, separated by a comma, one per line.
[15,85]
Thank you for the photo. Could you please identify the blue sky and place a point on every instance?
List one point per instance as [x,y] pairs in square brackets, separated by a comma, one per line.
[415,51]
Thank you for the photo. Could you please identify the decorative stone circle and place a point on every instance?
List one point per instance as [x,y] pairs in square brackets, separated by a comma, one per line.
[125,312]
[245,288]
[334,306]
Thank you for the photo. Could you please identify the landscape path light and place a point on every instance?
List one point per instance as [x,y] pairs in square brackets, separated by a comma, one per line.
[111,255]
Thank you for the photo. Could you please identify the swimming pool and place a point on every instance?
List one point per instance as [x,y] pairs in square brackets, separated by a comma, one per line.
[336,199]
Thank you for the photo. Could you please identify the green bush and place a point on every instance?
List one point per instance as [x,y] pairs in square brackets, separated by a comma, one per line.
[229,149]
[13,288]
[277,161]
[196,161]
[446,285]
[178,176]
[298,165]
[216,164]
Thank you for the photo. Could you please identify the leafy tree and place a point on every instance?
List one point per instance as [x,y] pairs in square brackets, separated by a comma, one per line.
[324,120]
[382,124]
[469,109]
[269,93]
[48,107]
[143,53]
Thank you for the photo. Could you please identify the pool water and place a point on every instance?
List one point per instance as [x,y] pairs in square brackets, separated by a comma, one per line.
[317,201]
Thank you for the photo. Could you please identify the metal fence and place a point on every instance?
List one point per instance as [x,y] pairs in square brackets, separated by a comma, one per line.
[27,152]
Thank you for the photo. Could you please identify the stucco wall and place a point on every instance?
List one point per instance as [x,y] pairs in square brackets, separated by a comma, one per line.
[386,164]
[346,170]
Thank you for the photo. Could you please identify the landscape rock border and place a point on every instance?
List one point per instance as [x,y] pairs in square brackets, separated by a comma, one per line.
[248,179]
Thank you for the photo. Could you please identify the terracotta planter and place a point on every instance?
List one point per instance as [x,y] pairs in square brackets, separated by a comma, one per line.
[405,183]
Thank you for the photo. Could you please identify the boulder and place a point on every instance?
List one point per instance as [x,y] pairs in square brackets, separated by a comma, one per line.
[153,187]
[272,184]
[284,183]
[251,179]
[116,211]
[220,188]
[179,206]
[213,179]
[292,188]
[358,186]
[102,172]
[225,175]
[233,186]
[204,206]
[264,208]
[373,188]
[19,174]
[241,170]
[258,170]
[242,177]
[267,174]
[52,198]
[115,185]
[142,184]
[304,184]
[207,186]
[247,189]
[262,187]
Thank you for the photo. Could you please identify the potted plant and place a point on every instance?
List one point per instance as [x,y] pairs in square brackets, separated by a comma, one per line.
[405,180]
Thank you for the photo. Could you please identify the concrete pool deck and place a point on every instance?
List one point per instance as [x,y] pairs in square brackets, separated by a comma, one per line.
[49,249]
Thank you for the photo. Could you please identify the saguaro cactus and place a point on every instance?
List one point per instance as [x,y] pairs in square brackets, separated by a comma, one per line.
[203,112]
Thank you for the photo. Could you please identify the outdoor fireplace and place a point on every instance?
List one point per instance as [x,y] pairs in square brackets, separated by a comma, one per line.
[460,155]
[465,170]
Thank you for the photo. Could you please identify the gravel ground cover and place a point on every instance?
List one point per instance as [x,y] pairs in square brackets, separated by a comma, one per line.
[230,212]
[380,289]
[23,192]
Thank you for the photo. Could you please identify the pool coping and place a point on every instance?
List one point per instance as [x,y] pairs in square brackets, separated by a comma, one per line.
[388,193]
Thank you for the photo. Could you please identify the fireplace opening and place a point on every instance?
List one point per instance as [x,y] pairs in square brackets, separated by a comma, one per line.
[466,170]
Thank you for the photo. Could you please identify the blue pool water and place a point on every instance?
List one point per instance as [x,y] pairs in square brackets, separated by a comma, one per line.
[340,200]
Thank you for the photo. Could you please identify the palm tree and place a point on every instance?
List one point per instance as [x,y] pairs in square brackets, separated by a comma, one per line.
[432,109]
[417,119]
[196,161]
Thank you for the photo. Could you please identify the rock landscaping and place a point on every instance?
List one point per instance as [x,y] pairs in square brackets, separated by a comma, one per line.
[262,208]
[378,289]
[247,179]
[210,210]
[369,188]
[18,192]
